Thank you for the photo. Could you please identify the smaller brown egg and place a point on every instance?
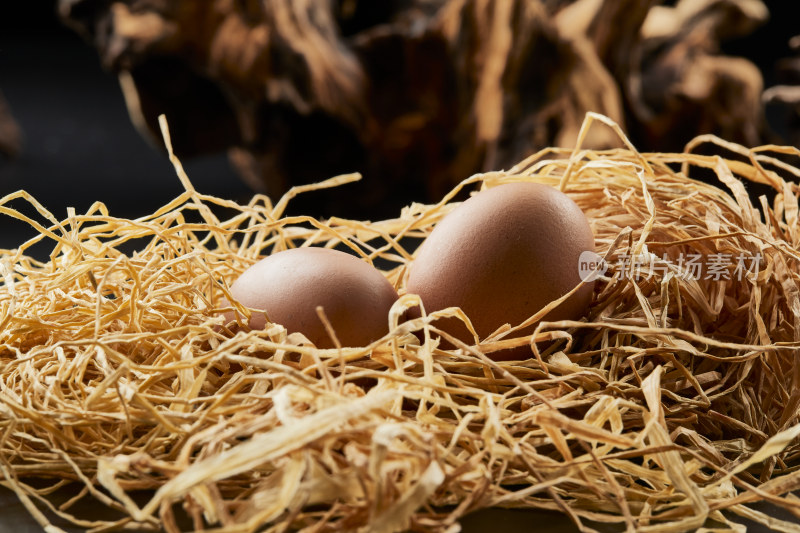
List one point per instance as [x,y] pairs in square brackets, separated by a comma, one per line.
[288,286]
[503,255]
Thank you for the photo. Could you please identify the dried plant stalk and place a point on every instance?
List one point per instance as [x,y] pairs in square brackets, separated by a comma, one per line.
[671,407]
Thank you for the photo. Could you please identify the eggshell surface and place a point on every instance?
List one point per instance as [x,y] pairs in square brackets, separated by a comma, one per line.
[501,256]
[288,286]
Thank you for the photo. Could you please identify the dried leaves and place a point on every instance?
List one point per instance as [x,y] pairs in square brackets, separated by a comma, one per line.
[675,400]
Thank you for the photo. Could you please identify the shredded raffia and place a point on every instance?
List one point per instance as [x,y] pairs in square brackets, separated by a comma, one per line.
[673,406]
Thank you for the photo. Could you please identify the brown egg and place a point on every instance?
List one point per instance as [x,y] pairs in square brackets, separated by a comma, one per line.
[501,256]
[289,285]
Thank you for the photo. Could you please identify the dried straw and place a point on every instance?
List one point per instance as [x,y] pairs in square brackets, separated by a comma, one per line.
[675,400]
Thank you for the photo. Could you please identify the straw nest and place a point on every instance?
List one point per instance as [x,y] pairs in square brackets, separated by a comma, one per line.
[676,398]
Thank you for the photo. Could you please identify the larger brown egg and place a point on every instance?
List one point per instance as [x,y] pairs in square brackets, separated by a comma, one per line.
[503,255]
[287,287]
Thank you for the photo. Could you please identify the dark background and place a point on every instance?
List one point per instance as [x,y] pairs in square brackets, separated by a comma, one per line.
[79,145]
